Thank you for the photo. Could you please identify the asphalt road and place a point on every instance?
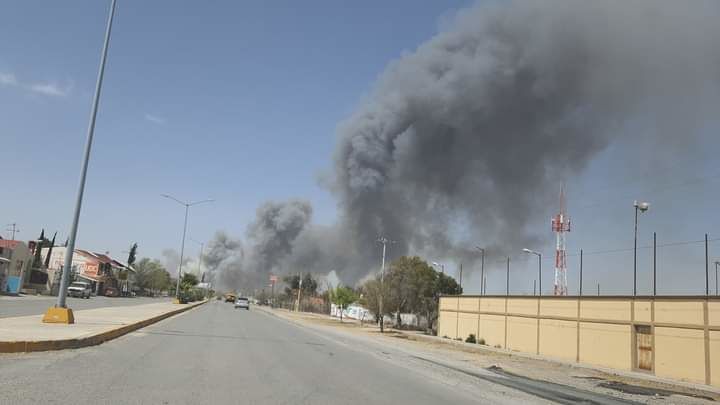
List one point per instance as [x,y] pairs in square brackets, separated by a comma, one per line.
[36,305]
[216,354]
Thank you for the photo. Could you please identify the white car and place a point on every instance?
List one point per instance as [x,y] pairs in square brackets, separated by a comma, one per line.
[242,302]
[79,289]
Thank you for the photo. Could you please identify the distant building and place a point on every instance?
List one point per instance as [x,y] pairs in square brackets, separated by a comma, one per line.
[15,262]
[100,270]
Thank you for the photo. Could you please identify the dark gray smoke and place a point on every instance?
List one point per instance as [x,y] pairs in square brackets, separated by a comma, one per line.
[224,260]
[272,235]
[462,141]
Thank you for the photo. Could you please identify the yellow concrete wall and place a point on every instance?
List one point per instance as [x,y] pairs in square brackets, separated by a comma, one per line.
[675,311]
[642,311]
[558,339]
[469,304]
[522,306]
[492,329]
[522,334]
[446,324]
[467,324]
[558,307]
[679,354]
[605,345]
[714,313]
[611,310]
[448,303]
[492,305]
[715,358]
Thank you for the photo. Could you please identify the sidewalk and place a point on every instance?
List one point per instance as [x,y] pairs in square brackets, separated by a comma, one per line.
[91,327]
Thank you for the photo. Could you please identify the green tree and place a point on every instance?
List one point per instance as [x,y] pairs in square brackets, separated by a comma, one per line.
[411,286]
[342,297]
[189,280]
[371,291]
[151,276]
[309,284]
[132,254]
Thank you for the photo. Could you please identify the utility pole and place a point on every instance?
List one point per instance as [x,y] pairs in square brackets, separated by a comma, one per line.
[507,278]
[642,207]
[654,263]
[13,230]
[482,269]
[384,242]
[297,306]
[61,313]
[581,268]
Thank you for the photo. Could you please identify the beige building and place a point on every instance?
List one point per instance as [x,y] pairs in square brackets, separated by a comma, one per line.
[675,337]
[15,262]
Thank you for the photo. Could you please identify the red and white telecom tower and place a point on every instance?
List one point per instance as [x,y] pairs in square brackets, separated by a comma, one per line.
[560,225]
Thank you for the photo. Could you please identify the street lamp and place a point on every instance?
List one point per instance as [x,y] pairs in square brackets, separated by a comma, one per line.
[182,246]
[539,255]
[442,266]
[482,267]
[60,313]
[641,207]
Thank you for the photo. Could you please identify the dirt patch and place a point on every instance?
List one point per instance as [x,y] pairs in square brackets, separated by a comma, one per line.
[646,391]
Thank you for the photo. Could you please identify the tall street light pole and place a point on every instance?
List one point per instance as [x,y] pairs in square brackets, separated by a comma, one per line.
[61,313]
[482,268]
[639,207]
[442,266]
[539,255]
[182,246]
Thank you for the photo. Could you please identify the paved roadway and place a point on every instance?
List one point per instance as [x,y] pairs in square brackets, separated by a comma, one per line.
[36,305]
[216,354]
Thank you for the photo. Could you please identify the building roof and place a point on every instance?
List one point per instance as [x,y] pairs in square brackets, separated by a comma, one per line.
[87,255]
[9,244]
[103,258]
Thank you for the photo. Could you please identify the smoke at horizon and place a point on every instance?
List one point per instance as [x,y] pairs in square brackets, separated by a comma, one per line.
[462,141]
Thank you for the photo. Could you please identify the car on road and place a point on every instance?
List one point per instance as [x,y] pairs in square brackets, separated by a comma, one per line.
[79,289]
[242,302]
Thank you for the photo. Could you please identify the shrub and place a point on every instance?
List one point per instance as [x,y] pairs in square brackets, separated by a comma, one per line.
[481,341]
[471,338]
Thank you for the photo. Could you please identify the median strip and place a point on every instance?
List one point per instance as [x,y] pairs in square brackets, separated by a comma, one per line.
[92,327]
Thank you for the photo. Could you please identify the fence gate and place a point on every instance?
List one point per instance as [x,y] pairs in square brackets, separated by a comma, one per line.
[643,345]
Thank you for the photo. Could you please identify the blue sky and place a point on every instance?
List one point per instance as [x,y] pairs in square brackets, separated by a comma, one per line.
[236,101]
[239,101]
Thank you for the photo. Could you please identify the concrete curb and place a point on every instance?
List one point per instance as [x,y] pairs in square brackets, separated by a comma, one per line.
[92,340]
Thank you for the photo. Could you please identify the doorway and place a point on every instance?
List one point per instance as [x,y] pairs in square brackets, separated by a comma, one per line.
[644,347]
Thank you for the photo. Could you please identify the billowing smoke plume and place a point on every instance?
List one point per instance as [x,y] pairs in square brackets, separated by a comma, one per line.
[171,260]
[460,142]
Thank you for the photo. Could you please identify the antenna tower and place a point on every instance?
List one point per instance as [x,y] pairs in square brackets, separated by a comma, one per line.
[561,225]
